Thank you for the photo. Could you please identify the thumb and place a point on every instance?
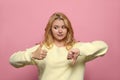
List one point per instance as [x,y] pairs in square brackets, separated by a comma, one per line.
[74,57]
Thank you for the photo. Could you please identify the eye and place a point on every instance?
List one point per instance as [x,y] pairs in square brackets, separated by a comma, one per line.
[64,27]
[55,27]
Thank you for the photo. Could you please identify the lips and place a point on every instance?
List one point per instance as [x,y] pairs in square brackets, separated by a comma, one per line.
[59,34]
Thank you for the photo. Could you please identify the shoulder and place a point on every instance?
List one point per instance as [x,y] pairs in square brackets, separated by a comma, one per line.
[42,46]
[80,43]
[95,42]
[34,47]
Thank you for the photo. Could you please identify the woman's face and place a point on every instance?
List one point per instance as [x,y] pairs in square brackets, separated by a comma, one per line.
[59,30]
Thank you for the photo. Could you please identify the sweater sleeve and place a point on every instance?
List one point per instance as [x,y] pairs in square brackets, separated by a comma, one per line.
[93,49]
[22,58]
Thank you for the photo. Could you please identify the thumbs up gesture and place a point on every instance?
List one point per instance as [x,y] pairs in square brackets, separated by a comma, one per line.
[39,54]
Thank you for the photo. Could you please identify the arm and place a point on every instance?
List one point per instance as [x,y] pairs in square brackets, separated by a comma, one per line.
[22,58]
[93,50]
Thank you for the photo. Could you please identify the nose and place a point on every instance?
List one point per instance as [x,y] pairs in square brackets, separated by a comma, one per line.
[60,30]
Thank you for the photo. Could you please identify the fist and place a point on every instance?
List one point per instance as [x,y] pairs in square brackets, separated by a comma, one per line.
[73,55]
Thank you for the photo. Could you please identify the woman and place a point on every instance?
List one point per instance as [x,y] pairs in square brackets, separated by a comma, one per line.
[59,56]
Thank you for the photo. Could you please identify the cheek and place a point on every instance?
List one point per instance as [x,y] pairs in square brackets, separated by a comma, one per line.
[53,31]
[66,32]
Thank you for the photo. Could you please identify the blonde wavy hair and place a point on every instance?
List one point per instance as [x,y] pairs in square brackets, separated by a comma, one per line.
[48,37]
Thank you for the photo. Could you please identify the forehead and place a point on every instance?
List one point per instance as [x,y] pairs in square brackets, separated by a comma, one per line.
[58,22]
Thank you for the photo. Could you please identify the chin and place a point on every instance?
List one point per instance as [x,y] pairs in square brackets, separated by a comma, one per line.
[61,39]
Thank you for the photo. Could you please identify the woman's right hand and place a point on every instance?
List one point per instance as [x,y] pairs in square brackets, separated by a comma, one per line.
[39,54]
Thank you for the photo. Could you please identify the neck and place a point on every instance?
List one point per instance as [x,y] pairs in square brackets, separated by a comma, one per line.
[59,43]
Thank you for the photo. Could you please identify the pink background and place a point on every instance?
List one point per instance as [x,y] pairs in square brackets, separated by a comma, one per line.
[22,24]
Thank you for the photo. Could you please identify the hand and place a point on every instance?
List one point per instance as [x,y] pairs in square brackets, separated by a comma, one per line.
[73,54]
[39,54]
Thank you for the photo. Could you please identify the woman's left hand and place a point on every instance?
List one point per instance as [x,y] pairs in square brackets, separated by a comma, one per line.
[73,54]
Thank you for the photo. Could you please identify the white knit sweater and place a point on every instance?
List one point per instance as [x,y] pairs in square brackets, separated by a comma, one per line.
[56,66]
